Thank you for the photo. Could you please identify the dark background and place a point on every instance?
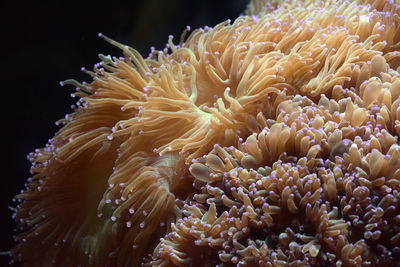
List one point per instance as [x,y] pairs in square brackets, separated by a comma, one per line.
[44,42]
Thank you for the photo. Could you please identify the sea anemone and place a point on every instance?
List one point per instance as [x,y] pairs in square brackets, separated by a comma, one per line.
[268,141]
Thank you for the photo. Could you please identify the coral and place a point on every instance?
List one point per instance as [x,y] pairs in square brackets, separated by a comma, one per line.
[268,141]
[294,194]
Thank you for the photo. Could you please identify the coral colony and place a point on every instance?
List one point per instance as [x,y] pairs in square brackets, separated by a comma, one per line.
[271,140]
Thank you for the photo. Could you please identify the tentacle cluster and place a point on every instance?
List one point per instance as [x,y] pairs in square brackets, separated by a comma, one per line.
[269,140]
[304,190]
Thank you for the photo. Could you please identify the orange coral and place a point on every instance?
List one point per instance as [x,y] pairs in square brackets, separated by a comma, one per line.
[313,88]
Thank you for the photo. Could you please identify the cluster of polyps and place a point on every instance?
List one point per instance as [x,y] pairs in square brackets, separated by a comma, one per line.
[313,88]
[306,189]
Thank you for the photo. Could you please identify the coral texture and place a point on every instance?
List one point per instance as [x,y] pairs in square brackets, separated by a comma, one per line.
[268,141]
